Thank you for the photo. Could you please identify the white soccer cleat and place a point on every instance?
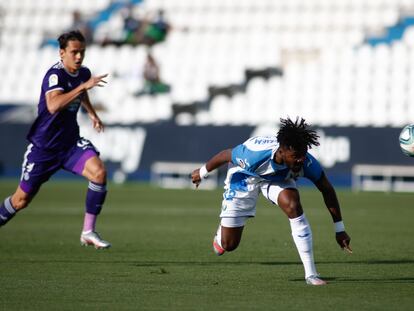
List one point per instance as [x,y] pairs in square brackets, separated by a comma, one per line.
[217,248]
[315,280]
[93,238]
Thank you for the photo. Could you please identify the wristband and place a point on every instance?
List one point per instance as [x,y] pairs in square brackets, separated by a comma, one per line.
[203,172]
[339,226]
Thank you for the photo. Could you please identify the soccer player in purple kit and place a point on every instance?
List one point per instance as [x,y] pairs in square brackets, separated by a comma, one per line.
[54,137]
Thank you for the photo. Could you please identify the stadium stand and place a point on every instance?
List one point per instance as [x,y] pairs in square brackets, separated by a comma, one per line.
[231,61]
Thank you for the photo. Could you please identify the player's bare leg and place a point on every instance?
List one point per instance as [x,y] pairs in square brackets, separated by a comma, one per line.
[226,239]
[20,199]
[95,172]
[13,204]
[289,202]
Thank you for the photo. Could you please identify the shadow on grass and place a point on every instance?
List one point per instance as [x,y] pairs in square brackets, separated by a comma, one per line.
[147,263]
[360,262]
[379,280]
[159,269]
[363,280]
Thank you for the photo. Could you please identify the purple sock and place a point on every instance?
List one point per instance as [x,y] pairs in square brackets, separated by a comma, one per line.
[95,198]
[7,211]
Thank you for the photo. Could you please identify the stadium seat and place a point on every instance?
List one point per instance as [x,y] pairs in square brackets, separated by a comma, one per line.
[319,44]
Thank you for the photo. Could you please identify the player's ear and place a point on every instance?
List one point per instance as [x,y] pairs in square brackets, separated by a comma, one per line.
[61,53]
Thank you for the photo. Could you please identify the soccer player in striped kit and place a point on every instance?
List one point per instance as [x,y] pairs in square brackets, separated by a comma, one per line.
[54,140]
[271,165]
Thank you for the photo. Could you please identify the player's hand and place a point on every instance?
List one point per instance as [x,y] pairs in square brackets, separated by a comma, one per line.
[195,177]
[343,239]
[95,81]
[97,123]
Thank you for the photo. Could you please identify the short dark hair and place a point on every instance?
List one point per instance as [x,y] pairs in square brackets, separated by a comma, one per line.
[73,35]
[297,135]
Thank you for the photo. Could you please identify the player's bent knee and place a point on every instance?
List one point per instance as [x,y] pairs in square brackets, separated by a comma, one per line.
[294,209]
[99,175]
[290,203]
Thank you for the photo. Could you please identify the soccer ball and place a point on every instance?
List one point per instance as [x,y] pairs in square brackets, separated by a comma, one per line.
[407,140]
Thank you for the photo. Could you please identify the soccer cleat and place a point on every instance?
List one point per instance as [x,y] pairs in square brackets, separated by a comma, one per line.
[93,238]
[217,248]
[315,280]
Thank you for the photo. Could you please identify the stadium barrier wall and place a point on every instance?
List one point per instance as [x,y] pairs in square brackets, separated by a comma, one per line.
[130,151]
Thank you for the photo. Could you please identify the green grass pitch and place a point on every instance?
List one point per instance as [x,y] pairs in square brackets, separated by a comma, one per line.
[162,259]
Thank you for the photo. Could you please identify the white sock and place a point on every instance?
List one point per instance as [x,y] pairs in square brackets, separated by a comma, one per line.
[218,236]
[302,235]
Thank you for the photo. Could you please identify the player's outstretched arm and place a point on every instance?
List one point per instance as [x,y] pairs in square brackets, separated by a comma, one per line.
[215,162]
[57,100]
[332,203]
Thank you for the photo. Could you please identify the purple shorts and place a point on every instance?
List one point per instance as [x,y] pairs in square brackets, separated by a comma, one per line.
[39,165]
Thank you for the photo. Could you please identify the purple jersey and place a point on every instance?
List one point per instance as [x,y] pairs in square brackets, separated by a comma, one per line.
[58,131]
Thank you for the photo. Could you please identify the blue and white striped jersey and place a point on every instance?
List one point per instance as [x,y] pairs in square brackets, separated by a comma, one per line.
[254,158]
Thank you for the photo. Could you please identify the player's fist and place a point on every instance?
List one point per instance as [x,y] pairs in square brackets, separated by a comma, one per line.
[195,177]
[343,239]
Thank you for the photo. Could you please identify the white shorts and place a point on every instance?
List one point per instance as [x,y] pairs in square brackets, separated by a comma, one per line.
[233,222]
[243,203]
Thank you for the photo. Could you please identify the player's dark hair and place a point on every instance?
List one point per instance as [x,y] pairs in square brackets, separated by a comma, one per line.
[297,135]
[74,35]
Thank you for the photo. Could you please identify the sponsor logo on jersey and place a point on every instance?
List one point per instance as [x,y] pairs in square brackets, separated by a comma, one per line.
[53,80]
[74,105]
[264,141]
[242,163]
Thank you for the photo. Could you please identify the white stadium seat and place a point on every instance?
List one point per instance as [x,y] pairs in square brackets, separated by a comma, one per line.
[330,75]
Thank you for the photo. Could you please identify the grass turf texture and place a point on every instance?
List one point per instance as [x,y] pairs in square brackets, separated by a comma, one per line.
[162,259]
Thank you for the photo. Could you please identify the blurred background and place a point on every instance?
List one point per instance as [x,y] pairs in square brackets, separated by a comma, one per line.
[188,78]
